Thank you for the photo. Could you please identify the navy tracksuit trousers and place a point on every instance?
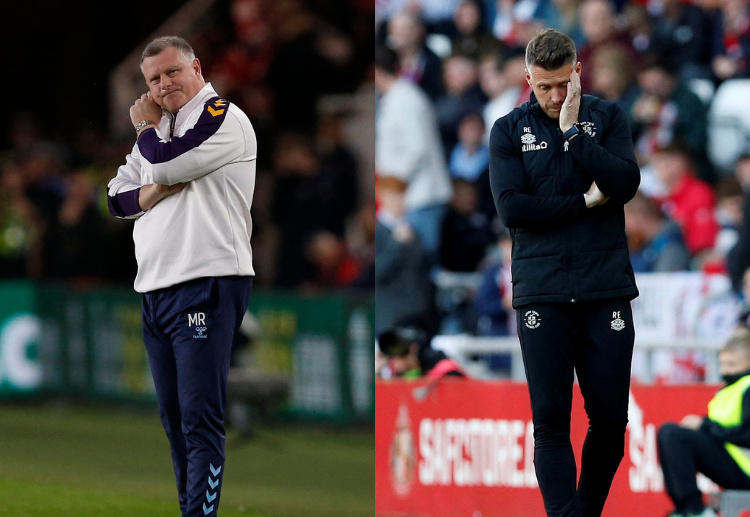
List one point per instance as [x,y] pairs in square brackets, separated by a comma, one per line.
[188,330]
[594,340]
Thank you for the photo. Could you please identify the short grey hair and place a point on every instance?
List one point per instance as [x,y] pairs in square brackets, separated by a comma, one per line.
[550,49]
[159,45]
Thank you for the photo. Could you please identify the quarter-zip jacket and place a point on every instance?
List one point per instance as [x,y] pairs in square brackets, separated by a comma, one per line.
[563,251]
[203,230]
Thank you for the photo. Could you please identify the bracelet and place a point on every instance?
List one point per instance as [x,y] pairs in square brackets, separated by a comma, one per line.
[143,123]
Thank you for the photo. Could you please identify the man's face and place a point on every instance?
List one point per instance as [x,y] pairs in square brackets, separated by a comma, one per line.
[732,362]
[172,79]
[551,86]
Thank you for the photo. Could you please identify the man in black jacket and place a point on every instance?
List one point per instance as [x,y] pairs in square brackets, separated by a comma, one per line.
[562,167]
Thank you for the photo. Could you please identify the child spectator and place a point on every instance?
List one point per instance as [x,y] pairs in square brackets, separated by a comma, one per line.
[714,445]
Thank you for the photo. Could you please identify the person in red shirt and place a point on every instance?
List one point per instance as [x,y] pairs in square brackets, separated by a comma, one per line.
[688,200]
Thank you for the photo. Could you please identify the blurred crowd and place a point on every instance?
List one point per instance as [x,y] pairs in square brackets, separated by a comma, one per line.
[278,60]
[458,65]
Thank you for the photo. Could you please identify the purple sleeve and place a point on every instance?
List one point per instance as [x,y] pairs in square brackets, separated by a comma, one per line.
[156,151]
[125,204]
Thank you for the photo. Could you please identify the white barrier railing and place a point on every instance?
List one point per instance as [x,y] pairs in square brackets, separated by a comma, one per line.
[466,349]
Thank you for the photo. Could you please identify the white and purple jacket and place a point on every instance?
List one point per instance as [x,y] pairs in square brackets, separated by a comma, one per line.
[204,230]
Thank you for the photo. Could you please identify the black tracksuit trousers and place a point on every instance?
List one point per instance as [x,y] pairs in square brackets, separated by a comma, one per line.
[685,452]
[594,340]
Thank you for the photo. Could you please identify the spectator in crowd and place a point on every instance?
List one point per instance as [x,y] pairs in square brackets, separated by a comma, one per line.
[43,168]
[599,27]
[738,259]
[408,146]
[682,31]
[416,62]
[72,241]
[462,95]
[731,41]
[667,111]
[639,26]
[470,160]
[20,227]
[471,36]
[362,246]
[514,22]
[688,200]
[336,158]
[305,54]
[306,198]
[713,445]
[743,321]
[467,232]
[563,15]
[470,157]
[437,15]
[729,218]
[498,78]
[410,355]
[402,279]
[334,267]
[493,301]
[612,76]
[655,241]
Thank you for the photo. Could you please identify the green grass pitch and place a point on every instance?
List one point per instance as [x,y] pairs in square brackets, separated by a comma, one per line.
[71,462]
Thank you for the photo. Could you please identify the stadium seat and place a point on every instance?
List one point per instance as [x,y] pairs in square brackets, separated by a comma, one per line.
[729,124]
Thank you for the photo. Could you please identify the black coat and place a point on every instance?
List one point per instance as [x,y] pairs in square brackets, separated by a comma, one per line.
[563,251]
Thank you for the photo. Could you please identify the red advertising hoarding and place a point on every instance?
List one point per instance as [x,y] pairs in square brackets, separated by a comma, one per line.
[464,448]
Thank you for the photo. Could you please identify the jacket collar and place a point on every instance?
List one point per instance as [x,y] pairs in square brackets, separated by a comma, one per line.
[207,92]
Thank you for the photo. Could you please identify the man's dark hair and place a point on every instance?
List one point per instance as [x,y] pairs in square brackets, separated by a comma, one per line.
[159,45]
[550,49]
[386,59]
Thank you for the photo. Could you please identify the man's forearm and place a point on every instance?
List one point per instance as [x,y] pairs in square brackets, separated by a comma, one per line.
[151,194]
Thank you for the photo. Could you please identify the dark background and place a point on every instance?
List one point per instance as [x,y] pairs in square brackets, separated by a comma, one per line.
[56,57]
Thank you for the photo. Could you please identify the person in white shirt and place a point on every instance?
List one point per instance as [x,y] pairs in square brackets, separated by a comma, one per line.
[408,147]
[188,183]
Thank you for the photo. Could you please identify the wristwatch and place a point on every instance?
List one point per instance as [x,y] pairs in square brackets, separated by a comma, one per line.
[570,133]
[143,123]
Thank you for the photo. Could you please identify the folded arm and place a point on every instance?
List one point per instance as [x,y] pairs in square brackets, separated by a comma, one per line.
[516,207]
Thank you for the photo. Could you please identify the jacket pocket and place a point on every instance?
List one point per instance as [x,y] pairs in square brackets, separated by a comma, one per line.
[599,236]
[599,271]
[537,276]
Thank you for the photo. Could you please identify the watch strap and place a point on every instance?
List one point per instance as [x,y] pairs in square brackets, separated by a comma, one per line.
[574,130]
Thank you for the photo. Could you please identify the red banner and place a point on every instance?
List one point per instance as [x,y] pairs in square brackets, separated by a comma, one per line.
[464,448]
